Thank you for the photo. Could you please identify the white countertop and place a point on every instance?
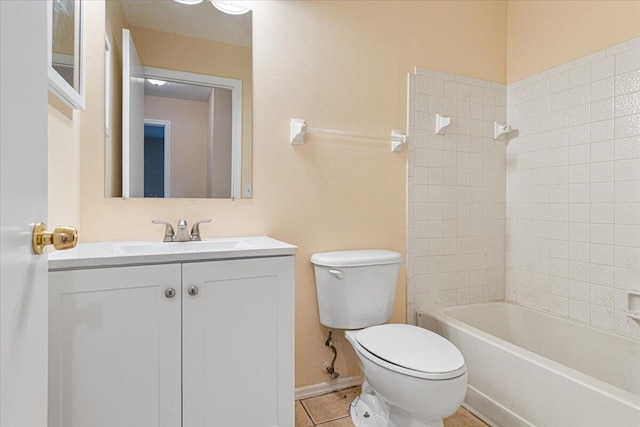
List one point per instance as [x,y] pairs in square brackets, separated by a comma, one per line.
[104,254]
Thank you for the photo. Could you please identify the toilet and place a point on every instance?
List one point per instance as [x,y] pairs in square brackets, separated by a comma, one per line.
[412,376]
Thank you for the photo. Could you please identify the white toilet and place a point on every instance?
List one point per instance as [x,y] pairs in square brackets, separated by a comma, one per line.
[413,377]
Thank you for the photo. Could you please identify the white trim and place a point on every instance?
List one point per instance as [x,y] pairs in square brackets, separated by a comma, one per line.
[327,387]
[167,152]
[74,98]
[235,86]
[107,86]
[107,118]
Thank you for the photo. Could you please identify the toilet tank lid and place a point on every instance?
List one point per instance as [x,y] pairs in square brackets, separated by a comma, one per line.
[356,258]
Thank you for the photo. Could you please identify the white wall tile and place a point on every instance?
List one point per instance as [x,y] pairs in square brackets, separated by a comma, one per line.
[579,311]
[627,170]
[561,199]
[602,213]
[602,89]
[627,82]
[627,104]
[627,213]
[627,257]
[602,171]
[627,126]
[602,130]
[602,68]
[580,95]
[602,254]
[560,100]
[627,235]
[590,170]
[559,82]
[628,60]
[627,148]
[627,192]
[602,110]
[580,75]
[602,151]
[450,225]
[602,317]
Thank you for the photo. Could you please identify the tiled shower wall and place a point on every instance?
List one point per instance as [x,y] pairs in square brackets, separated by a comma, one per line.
[456,192]
[573,189]
[569,180]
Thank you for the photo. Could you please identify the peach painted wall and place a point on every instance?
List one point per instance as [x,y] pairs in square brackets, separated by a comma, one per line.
[189,128]
[64,164]
[544,34]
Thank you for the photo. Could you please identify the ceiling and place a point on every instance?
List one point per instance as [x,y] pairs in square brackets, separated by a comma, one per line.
[177,90]
[202,21]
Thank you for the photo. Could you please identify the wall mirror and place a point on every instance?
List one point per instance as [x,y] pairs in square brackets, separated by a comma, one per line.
[66,50]
[179,100]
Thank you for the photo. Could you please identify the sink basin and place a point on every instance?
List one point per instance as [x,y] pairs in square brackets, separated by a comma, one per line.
[152,248]
[104,254]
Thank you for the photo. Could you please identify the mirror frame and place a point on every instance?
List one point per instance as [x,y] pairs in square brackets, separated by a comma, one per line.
[235,85]
[72,97]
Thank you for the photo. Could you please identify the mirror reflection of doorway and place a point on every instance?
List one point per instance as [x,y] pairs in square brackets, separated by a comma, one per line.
[157,155]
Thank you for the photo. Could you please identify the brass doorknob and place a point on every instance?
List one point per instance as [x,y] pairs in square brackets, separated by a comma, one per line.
[61,238]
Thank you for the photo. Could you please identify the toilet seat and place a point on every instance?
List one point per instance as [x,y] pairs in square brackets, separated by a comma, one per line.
[410,350]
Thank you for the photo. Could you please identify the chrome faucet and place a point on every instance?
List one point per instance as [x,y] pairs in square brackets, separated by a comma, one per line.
[182,235]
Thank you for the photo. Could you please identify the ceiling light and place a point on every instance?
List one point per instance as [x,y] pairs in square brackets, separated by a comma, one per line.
[188,1]
[157,82]
[229,7]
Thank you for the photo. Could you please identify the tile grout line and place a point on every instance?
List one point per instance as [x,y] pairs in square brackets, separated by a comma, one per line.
[313,423]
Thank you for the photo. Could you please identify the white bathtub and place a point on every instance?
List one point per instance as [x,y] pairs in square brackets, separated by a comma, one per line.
[530,368]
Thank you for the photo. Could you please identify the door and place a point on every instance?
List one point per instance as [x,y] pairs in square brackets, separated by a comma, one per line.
[23,202]
[132,119]
[157,158]
[114,347]
[237,337]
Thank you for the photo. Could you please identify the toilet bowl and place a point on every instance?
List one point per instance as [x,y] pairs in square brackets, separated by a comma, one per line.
[413,377]
[417,377]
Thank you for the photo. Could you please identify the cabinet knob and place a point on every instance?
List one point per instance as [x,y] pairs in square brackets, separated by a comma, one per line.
[193,291]
[170,293]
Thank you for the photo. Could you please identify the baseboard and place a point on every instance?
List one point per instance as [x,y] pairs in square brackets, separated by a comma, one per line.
[327,387]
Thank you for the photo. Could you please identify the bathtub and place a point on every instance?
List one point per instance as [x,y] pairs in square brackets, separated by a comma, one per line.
[530,368]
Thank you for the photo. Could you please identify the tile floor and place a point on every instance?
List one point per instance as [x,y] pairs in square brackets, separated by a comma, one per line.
[332,410]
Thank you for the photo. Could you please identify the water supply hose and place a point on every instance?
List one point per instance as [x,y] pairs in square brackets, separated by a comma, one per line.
[330,369]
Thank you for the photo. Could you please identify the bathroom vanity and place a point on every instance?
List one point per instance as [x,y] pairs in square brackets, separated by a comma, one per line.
[172,334]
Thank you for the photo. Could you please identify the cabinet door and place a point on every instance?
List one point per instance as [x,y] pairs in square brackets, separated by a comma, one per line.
[237,334]
[114,347]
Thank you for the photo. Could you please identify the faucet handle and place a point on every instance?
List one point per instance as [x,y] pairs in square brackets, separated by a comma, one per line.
[195,230]
[169,234]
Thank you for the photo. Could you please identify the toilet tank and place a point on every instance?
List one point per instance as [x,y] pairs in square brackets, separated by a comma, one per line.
[356,288]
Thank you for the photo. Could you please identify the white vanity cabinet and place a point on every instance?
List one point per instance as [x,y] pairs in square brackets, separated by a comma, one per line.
[187,343]
[237,336]
[114,347]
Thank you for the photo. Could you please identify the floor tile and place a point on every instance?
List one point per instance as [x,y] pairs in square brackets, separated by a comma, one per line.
[463,418]
[330,406]
[302,418]
[340,422]
[332,410]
